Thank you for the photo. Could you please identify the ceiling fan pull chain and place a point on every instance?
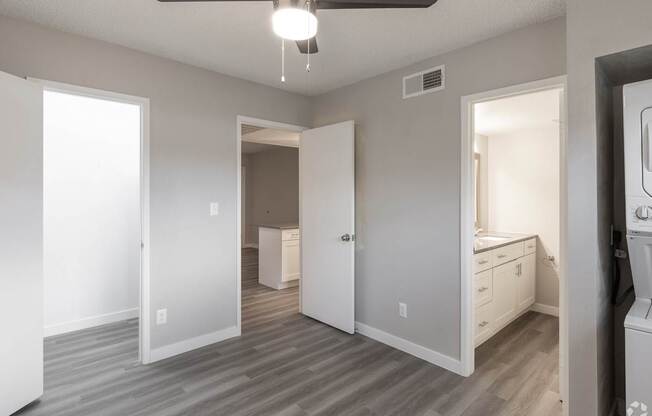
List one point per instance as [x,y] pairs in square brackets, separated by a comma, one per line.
[308,23]
[308,65]
[283,60]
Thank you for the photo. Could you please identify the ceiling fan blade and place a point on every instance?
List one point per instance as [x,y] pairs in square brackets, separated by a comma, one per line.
[374,4]
[303,45]
[200,1]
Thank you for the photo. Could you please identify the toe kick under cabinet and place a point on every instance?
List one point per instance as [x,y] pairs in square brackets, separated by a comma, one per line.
[504,285]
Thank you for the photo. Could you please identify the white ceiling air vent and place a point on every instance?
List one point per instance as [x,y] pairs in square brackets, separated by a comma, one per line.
[423,82]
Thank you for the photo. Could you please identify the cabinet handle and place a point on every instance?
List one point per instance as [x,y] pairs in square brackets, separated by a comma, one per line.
[483,289]
[483,324]
[530,246]
[502,256]
[483,262]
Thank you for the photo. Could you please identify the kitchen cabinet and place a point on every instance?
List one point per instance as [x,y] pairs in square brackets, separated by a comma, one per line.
[279,256]
[290,263]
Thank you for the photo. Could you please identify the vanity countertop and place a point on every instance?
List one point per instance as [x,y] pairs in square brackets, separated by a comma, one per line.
[480,245]
[281,226]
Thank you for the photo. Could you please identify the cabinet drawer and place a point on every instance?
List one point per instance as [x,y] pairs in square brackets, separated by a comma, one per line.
[508,253]
[483,287]
[530,246]
[482,261]
[483,323]
[290,234]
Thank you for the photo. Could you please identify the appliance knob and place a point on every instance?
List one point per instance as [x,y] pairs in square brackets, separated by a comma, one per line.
[642,212]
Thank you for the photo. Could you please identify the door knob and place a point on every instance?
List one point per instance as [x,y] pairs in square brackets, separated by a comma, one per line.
[346,237]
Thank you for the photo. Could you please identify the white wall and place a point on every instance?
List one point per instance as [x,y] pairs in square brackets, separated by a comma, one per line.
[523,196]
[91,222]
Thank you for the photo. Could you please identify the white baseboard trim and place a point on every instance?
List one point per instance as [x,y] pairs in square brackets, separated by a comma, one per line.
[250,245]
[547,309]
[90,322]
[177,348]
[410,347]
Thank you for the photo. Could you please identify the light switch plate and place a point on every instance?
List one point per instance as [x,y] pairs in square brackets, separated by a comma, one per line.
[161,317]
[215,208]
[402,310]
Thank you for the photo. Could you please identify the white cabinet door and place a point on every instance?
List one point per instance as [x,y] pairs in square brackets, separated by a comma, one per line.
[483,323]
[504,293]
[526,281]
[291,260]
[21,242]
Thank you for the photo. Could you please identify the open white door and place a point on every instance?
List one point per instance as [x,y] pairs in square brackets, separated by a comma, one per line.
[21,243]
[327,222]
[563,301]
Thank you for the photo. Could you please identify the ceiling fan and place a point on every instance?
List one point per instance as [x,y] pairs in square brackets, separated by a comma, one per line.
[296,20]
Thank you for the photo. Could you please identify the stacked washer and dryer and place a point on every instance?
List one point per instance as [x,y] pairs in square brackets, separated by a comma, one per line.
[637,113]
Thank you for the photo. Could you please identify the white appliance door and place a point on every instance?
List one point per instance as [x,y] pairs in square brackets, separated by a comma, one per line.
[638,366]
[646,149]
[327,224]
[21,243]
[640,259]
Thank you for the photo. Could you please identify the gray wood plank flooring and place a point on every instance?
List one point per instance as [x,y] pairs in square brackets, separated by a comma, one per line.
[288,365]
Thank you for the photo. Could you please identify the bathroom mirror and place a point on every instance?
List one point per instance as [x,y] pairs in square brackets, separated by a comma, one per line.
[476,188]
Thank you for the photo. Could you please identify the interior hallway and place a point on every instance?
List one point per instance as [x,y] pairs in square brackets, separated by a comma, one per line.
[290,365]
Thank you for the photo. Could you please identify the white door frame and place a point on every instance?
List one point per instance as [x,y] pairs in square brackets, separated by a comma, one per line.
[143,103]
[258,122]
[467,353]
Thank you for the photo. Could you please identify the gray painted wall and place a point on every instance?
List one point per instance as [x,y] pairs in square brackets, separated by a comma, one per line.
[272,189]
[408,179]
[594,28]
[193,161]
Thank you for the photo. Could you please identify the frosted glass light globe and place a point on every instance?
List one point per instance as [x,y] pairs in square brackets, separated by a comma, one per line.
[294,24]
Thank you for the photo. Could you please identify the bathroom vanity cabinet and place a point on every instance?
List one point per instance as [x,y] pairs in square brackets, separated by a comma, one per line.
[504,286]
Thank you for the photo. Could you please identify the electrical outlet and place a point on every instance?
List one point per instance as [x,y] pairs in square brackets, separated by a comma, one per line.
[214,208]
[402,310]
[161,317]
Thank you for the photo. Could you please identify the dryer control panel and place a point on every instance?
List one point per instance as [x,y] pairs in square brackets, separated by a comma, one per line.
[639,214]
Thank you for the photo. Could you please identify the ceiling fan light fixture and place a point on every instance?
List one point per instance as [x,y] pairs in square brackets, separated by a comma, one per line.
[293,23]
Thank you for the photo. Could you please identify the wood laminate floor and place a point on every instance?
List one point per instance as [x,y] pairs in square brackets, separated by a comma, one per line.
[289,365]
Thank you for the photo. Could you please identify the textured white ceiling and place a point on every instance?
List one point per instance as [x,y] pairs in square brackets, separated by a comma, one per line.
[236,38]
[507,115]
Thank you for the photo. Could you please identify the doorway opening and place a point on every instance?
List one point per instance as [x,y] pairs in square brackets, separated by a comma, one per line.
[269,223]
[96,217]
[315,253]
[513,231]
